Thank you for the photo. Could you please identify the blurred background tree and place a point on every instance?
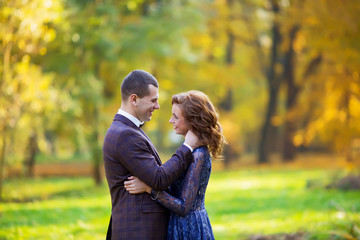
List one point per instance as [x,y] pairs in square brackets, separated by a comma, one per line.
[283,73]
[27,96]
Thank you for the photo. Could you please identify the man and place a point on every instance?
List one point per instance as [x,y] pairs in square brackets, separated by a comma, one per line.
[128,151]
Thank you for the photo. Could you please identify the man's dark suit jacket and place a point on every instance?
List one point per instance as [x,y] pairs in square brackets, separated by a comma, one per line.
[128,151]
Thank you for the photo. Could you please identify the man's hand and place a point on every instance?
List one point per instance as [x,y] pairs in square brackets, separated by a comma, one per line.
[192,139]
[136,186]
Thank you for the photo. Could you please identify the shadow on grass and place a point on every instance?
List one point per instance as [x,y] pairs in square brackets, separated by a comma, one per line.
[39,189]
[51,216]
[73,193]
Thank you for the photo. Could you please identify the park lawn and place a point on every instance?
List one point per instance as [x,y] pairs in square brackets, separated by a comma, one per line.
[249,202]
[240,203]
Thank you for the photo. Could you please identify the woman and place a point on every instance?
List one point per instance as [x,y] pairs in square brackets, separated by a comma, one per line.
[189,220]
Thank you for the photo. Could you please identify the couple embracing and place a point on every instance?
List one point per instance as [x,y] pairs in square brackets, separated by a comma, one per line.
[151,200]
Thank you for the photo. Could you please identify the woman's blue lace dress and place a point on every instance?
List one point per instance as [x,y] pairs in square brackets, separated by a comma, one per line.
[189,219]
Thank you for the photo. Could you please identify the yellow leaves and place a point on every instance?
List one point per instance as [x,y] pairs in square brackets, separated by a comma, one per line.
[49,34]
[337,117]
[132,5]
[265,41]
[21,44]
[31,85]
[298,139]
[8,37]
[164,96]
[276,121]
[43,51]
[354,107]
[48,3]
[31,19]
[342,116]
[311,20]
[231,129]
[339,68]
[167,84]
[42,144]
[36,106]
[202,40]
[355,76]
[300,43]
[6,11]
[219,52]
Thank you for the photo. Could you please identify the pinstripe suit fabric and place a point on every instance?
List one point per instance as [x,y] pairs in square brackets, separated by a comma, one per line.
[128,151]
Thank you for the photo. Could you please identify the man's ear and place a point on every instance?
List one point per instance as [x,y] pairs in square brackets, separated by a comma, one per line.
[133,99]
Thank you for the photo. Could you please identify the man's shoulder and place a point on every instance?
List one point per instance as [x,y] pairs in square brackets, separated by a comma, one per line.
[119,127]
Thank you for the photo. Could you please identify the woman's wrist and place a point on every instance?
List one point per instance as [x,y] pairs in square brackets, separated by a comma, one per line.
[154,194]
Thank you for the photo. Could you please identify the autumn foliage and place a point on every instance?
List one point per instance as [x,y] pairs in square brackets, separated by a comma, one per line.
[283,74]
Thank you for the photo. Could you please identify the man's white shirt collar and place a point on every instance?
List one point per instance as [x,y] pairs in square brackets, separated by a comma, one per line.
[136,121]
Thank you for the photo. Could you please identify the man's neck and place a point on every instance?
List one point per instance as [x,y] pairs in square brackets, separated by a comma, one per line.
[128,114]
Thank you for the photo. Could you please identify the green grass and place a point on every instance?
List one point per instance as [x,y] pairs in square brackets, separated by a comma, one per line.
[239,203]
[244,203]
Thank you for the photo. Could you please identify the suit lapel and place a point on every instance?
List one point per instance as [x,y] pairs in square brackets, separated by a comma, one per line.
[125,120]
[157,157]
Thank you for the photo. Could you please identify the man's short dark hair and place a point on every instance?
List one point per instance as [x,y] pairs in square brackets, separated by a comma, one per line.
[137,82]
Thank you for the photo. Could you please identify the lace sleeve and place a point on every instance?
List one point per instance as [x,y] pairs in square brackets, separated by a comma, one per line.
[183,204]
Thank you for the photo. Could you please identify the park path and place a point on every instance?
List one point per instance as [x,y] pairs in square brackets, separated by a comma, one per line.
[303,161]
[65,169]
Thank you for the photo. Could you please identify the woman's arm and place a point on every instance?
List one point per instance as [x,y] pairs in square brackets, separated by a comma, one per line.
[180,205]
[183,204]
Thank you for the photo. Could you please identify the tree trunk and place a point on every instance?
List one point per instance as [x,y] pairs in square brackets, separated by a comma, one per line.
[32,149]
[230,48]
[267,128]
[346,107]
[145,8]
[227,103]
[229,155]
[2,163]
[96,148]
[6,75]
[50,139]
[289,149]
[97,156]
[273,86]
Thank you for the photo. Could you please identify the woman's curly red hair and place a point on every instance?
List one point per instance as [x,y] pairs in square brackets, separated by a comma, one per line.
[203,119]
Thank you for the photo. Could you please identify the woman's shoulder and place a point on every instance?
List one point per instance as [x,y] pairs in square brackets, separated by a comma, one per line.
[201,151]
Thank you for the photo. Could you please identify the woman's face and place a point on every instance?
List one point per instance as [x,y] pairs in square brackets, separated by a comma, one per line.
[178,121]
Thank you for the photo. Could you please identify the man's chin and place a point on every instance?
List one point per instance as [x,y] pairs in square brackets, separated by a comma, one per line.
[147,119]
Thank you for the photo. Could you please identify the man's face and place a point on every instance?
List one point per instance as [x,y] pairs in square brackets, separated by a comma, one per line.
[146,105]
